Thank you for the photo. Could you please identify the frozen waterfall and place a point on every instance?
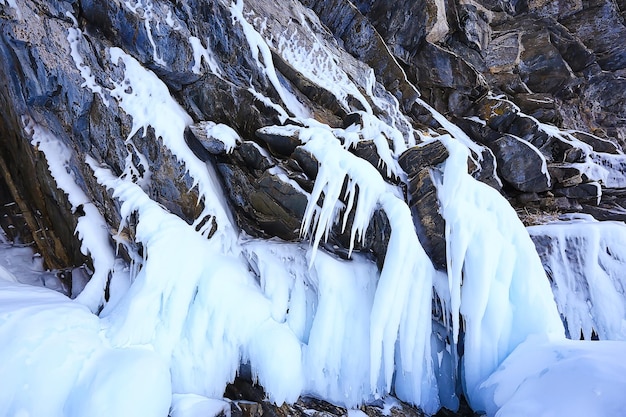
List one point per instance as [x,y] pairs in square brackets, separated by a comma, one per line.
[199,302]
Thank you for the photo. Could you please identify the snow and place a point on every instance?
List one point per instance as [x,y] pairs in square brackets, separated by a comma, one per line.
[225,134]
[59,365]
[557,377]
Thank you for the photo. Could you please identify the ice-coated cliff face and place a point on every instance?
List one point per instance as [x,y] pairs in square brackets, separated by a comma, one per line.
[314,197]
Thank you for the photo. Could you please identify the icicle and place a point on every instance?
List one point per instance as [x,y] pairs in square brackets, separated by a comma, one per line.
[496,279]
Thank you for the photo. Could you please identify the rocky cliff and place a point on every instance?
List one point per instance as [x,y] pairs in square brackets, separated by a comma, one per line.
[536,90]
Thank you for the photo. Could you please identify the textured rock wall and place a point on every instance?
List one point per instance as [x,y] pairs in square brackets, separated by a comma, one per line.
[486,65]
[498,69]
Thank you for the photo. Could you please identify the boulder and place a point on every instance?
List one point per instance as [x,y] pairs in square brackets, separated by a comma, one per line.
[520,164]
[428,154]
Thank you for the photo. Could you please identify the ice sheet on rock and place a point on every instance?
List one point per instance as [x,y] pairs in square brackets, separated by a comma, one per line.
[74,37]
[263,57]
[204,313]
[330,306]
[586,263]
[143,10]
[148,92]
[201,53]
[406,275]
[303,49]
[91,228]
[558,377]
[54,362]
[496,280]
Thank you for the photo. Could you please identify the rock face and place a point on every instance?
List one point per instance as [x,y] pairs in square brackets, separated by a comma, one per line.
[552,65]
[422,198]
[536,89]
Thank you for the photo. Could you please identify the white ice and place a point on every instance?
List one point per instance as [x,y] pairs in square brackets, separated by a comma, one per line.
[92,229]
[586,260]
[496,280]
[547,377]
[54,362]
[201,53]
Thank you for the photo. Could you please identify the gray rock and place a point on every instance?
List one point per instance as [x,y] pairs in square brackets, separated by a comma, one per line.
[426,155]
[428,222]
[520,165]
[565,175]
[279,144]
[265,204]
[587,192]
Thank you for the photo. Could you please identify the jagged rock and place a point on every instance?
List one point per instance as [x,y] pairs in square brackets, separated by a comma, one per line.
[603,31]
[538,105]
[598,144]
[498,114]
[422,198]
[427,220]
[427,155]
[520,165]
[279,144]
[502,53]
[266,204]
[484,169]
[306,161]
[587,192]
[271,206]
[249,400]
[565,175]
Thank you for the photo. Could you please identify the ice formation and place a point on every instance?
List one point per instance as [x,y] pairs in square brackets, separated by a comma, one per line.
[64,368]
[496,280]
[586,264]
[343,330]
[92,229]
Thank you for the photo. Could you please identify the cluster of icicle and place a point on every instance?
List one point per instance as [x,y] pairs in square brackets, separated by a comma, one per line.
[304,321]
